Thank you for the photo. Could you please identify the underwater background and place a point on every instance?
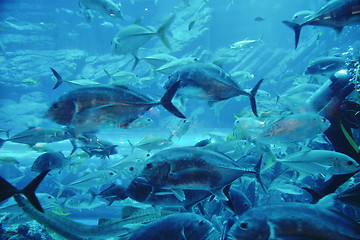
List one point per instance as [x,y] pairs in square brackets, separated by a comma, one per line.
[245,38]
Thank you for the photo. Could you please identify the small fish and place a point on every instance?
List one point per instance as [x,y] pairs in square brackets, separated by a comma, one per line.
[176,226]
[9,161]
[129,39]
[113,193]
[323,162]
[172,66]
[325,65]
[191,24]
[84,202]
[34,135]
[181,129]
[93,179]
[246,44]
[104,7]
[150,143]
[50,161]
[293,128]
[259,19]
[158,60]
[141,122]
[73,83]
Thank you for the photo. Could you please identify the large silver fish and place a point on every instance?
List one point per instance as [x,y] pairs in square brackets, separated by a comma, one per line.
[207,81]
[87,109]
[335,14]
[194,168]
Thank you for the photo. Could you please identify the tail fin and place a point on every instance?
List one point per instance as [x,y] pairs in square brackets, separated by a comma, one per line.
[132,146]
[136,61]
[2,141]
[258,173]
[297,29]
[252,97]
[166,100]
[59,79]
[162,30]
[8,190]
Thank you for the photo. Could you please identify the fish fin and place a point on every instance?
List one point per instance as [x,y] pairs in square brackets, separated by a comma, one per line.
[132,146]
[252,97]
[297,29]
[257,170]
[179,194]
[328,201]
[2,141]
[162,30]
[136,61]
[59,79]
[29,190]
[73,143]
[166,100]
[315,194]
[338,30]
[219,193]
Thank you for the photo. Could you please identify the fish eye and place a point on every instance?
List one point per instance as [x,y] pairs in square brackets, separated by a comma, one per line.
[55,105]
[148,155]
[149,166]
[349,163]
[149,120]
[131,169]
[184,120]
[111,173]
[49,197]
[201,222]
[244,225]
[324,120]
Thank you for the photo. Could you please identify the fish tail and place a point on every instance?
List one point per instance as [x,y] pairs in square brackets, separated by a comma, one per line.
[132,146]
[257,170]
[8,190]
[166,100]
[297,29]
[316,196]
[73,143]
[162,30]
[2,141]
[252,97]
[136,61]
[59,79]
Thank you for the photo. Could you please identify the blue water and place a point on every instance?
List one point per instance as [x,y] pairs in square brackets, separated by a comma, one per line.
[36,35]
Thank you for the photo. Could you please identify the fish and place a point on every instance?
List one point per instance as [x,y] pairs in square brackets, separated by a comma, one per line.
[335,14]
[93,146]
[141,122]
[87,109]
[113,193]
[293,128]
[140,190]
[7,190]
[207,81]
[84,202]
[70,229]
[131,165]
[130,38]
[182,128]
[238,202]
[188,226]
[92,179]
[323,162]
[293,221]
[325,65]
[193,168]
[104,7]
[50,161]
[159,59]
[246,44]
[172,66]
[34,135]
[150,143]
[259,19]
[9,161]
[73,83]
